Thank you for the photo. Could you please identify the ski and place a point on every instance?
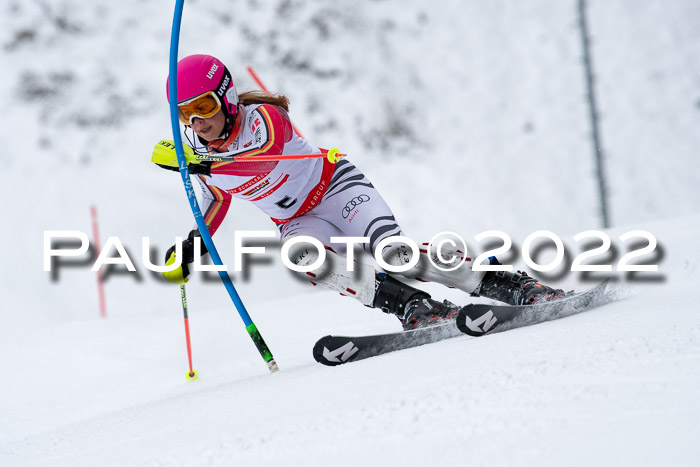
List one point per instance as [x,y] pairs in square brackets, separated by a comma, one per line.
[474,320]
[337,350]
[480,319]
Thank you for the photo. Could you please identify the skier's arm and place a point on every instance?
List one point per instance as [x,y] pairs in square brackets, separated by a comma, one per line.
[214,205]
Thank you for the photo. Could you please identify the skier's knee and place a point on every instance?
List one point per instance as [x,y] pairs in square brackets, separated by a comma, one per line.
[449,266]
[399,255]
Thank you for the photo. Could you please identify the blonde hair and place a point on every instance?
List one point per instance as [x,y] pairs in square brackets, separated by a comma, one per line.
[262,97]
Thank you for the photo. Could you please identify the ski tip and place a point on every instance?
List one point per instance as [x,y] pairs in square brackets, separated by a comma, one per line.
[318,350]
[468,326]
[334,351]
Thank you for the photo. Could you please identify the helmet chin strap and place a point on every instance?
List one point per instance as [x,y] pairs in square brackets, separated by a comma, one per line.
[228,127]
[229,123]
[232,97]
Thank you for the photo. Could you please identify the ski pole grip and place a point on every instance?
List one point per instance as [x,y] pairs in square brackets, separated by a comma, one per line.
[262,347]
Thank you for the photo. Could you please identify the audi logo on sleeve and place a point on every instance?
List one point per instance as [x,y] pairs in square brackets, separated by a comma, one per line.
[356,201]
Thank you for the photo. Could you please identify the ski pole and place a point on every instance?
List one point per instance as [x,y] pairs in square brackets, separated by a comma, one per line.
[191,374]
[165,154]
[333,155]
[262,86]
[253,331]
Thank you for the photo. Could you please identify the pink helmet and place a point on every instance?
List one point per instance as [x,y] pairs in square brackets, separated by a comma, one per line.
[197,74]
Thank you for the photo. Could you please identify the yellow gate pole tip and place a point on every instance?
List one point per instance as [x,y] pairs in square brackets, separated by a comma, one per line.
[191,375]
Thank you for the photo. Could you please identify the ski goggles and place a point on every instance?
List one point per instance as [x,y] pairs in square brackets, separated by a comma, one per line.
[203,106]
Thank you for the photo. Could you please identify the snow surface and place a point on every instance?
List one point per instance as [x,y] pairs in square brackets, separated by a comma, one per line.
[468,117]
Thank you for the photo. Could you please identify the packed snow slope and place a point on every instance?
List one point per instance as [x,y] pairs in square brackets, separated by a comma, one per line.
[467,116]
[614,385]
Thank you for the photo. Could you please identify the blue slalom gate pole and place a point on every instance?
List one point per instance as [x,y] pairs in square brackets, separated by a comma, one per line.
[201,224]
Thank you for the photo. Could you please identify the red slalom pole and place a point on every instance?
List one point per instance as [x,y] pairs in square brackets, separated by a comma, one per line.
[284,157]
[262,86]
[96,239]
[191,373]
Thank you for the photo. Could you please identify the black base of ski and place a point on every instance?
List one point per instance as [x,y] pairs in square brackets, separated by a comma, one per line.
[480,319]
[336,350]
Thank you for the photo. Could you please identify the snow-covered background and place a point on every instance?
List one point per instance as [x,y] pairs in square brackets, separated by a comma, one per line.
[467,116]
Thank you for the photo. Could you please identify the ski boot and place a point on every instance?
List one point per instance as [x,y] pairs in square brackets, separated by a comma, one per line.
[413,307]
[515,288]
[425,312]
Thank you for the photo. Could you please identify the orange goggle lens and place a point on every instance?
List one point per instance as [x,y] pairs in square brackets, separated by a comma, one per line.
[203,106]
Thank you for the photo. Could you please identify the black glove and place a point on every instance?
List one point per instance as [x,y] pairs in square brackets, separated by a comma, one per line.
[202,168]
[187,251]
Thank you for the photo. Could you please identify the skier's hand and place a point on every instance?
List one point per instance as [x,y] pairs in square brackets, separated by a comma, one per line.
[179,275]
[164,156]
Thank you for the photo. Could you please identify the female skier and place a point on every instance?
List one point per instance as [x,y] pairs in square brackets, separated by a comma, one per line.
[312,197]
